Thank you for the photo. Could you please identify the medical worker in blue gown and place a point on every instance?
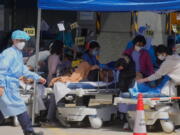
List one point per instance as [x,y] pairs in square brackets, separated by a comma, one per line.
[11,69]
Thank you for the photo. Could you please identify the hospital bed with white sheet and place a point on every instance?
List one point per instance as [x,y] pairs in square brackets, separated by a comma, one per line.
[163,108]
[78,107]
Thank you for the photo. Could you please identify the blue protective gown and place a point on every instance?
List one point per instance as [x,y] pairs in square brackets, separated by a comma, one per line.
[11,69]
[92,60]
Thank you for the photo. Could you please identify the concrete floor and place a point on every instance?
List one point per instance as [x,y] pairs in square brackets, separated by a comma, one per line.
[107,130]
[113,128]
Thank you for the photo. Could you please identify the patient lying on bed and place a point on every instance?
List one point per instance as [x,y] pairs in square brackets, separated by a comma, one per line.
[81,73]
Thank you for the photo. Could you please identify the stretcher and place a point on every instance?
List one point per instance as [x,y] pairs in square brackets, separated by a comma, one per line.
[81,109]
[92,88]
[165,109]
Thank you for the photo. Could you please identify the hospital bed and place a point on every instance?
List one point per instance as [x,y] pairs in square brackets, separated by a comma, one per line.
[77,111]
[163,108]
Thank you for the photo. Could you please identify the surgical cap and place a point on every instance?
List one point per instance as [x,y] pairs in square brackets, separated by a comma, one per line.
[18,34]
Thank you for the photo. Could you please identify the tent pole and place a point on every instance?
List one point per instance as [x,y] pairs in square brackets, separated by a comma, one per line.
[36,66]
[170,25]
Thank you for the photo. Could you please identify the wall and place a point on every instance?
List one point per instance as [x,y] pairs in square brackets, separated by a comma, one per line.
[115,34]
[157,23]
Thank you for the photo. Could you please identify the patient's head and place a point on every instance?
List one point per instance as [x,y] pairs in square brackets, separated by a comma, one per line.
[161,52]
[122,63]
[94,48]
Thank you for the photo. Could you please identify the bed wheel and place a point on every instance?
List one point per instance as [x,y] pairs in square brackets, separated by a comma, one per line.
[95,122]
[167,126]
[15,122]
[62,120]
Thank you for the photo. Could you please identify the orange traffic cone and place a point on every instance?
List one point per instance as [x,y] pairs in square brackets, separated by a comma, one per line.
[140,125]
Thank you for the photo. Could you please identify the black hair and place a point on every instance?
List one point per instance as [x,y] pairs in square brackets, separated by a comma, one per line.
[94,44]
[123,61]
[161,49]
[57,47]
[139,38]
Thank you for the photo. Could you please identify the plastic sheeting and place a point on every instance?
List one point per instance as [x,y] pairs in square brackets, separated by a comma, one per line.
[110,5]
[145,89]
